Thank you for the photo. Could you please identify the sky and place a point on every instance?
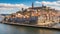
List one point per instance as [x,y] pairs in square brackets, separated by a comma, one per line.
[12,6]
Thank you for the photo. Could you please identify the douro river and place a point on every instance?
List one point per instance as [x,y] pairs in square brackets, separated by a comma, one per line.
[14,29]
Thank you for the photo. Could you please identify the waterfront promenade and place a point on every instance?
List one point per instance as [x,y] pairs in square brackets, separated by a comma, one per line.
[43,25]
[13,29]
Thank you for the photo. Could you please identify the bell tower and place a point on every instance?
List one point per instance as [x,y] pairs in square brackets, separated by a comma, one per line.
[32,5]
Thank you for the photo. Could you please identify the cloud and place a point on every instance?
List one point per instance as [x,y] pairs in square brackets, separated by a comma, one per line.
[54,4]
[13,5]
[37,2]
[11,8]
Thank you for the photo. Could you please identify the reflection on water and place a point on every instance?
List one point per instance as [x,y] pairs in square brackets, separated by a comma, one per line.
[12,29]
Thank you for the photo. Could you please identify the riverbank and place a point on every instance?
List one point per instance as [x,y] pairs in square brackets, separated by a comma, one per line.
[29,25]
[16,29]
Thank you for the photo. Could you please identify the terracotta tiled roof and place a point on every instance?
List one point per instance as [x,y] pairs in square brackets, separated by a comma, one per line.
[35,8]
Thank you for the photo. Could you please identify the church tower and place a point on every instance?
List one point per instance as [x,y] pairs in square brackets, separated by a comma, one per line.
[32,5]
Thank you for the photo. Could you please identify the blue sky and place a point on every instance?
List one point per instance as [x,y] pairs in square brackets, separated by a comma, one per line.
[11,6]
[27,2]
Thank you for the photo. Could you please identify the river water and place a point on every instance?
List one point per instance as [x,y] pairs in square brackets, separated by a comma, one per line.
[14,29]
